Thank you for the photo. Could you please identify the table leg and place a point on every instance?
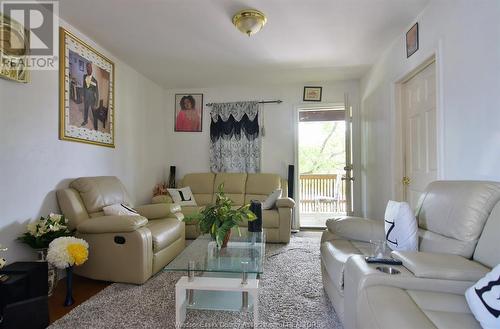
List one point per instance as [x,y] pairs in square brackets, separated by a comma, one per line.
[190,292]
[180,306]
[244,282]
[255,296]
[244,300]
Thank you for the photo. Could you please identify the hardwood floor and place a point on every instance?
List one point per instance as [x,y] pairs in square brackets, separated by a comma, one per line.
[83,289]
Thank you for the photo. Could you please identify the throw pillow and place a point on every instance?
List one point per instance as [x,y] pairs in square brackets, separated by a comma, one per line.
[270,201]
[484,301]
[120,209]
[401,228]
[182,196]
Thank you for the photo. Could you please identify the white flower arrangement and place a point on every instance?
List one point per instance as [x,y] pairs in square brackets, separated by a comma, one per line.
[41,232]
[67,251]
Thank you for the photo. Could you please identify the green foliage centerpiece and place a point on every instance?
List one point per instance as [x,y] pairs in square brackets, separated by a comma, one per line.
[218,219]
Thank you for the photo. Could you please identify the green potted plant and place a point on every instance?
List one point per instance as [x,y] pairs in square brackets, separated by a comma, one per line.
[218,219]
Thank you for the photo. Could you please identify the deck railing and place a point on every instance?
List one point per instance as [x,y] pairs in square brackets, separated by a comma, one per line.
[322,193]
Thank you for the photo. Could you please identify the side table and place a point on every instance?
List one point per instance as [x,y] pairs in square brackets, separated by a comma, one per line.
[23,296]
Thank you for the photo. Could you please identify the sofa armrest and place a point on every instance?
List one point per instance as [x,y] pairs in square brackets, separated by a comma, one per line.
[441,266]
[162,199]
[112,224]
[356,228]
[159,210]
[285,203]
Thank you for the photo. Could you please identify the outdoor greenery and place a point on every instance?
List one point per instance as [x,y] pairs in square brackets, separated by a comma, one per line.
[321,147]
[218,219]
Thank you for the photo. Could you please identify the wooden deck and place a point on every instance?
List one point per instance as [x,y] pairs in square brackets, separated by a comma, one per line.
[322,196]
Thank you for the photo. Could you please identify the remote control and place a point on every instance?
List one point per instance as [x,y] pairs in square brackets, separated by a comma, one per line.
[388,261]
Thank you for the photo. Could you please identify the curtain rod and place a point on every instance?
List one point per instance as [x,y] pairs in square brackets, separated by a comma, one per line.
[261,102]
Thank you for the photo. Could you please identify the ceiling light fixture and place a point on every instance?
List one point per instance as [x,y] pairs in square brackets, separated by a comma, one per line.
[249,21]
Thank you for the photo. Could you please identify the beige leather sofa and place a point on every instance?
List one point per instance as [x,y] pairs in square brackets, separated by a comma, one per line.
[121,248]
[241,188]
[459,224]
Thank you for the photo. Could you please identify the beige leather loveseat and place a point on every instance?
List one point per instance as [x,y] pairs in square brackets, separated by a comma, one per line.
[459,230]
[121,248]
[241,188]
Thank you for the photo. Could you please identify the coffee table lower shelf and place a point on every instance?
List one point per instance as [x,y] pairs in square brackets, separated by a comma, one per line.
[216,292]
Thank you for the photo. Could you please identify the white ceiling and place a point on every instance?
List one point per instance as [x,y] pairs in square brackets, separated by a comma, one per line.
[193,44]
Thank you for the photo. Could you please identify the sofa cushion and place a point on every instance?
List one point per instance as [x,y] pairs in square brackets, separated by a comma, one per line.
[457,209]
[98,192]
[200,182]
[164,232]
[263,184]
[401,231]
[483,299]
[202,186]
[234,186]
[119,209]
[433,242]
[432,265]
[182,196]
[390,307]
[356,228]
[270,201]
[487,246]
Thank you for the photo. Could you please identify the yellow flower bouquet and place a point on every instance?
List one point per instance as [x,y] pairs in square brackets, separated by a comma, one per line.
[64,253]
[68,251]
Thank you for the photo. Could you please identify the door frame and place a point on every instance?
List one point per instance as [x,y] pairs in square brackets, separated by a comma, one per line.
[398,147]
[356,191]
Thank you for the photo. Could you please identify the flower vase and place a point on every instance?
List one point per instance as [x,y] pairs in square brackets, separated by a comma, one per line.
[69,287]
[52,273]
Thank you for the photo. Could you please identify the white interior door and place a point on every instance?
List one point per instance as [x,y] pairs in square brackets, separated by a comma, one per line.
[419,129]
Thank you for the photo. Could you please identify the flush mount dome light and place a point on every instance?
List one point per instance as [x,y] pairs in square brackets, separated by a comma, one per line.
[249,21]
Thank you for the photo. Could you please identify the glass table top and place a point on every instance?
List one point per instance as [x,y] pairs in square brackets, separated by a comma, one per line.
[243,253]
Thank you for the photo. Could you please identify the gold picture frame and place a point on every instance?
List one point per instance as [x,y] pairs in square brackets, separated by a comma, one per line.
[14,60]
[86,98]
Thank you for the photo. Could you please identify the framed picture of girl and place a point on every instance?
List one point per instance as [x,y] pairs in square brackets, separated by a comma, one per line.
[188,112]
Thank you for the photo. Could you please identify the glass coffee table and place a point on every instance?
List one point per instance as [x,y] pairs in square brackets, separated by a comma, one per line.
[228,278]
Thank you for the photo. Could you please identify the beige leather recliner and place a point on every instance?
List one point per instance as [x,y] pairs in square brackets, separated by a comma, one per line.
[451,216]
[121,248]
[241,188]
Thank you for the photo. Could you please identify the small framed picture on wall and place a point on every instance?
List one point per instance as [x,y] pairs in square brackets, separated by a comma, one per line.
[312,94]
[412,40]
[188,112]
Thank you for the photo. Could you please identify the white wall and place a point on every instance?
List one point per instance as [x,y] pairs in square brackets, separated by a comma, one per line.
[190,151]
[34,162]
[465,34]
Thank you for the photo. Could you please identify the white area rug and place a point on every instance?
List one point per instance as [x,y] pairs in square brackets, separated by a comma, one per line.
[291,296]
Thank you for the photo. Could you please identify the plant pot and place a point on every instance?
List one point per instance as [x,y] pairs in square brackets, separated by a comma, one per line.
[226,239]
[53,274]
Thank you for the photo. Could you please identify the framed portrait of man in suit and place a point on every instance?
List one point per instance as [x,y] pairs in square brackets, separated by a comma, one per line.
[87,109]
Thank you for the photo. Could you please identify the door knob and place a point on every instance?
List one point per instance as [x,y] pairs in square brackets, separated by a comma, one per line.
[406,180]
